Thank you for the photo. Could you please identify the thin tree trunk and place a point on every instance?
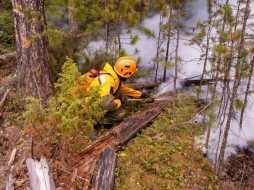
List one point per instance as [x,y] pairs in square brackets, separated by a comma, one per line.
[107,29]
[209,8]
[247,92]
[72,24]
[119,38]
[176,68]
[168,38]
[217,70]
[33,70]
[234,94]
[157,58]
[226,89]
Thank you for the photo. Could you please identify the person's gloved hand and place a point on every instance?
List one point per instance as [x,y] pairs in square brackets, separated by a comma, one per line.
[145,95]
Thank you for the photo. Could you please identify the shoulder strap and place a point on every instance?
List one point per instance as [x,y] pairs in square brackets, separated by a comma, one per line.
[101,77]
[102,80]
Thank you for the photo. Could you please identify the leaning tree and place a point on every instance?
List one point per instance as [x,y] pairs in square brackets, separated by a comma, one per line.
[33,70]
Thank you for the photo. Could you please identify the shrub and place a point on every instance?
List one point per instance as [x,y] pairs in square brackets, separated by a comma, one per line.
[67,120]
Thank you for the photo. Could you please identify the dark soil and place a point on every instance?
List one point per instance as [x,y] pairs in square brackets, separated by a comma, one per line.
[239,168]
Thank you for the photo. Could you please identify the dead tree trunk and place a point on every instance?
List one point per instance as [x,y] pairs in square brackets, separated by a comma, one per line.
[86,161]
[105,175]
[33,70]
[40,176]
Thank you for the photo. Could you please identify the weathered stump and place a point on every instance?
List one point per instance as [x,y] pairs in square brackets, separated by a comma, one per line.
[40,175]
[104,175]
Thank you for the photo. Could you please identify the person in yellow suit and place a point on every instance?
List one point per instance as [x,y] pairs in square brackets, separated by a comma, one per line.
[112,89]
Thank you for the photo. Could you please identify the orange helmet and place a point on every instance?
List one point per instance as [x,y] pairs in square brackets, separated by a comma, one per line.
[125,66]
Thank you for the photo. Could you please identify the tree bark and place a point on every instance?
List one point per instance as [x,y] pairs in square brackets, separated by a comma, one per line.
[33,70]
[105,175]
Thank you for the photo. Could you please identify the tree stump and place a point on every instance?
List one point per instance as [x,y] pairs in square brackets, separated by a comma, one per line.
[104,177]
[40,175]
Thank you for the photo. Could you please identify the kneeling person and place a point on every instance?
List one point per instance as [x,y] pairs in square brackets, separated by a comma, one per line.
[112,89]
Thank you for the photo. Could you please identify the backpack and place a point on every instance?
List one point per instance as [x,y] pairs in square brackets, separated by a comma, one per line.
[83,82]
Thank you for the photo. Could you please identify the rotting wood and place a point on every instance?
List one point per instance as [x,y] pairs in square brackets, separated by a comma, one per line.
[13,154]
[147,85]
[119,135]
[40,175]
[104,177]
[3,100]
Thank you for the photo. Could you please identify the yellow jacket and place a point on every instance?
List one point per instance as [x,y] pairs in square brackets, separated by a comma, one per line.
[109,83]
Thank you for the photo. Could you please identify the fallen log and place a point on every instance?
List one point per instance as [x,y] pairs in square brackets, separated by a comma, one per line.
[196,82]
[104,176]
[146,85]
[119,135]
[40,175]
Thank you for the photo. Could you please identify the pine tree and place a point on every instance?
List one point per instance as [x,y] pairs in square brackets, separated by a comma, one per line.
[33,72]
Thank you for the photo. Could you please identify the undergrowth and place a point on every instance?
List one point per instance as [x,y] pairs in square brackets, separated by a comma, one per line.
[62,128]
[156,159]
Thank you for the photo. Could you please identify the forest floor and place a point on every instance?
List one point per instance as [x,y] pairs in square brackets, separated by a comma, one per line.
[161,157]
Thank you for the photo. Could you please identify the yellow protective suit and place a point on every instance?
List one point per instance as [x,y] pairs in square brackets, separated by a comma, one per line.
[109,84]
